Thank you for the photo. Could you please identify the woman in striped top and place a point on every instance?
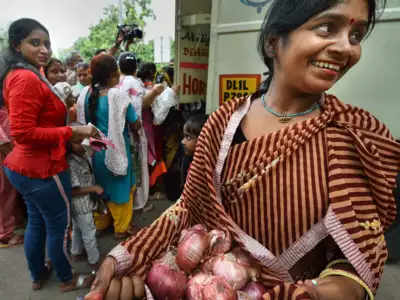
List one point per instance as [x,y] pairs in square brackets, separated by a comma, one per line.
[301,180]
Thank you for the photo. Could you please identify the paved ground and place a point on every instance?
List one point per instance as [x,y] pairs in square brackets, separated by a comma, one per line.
[15,283]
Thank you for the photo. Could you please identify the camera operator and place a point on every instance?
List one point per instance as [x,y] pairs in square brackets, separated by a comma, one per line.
[126,34]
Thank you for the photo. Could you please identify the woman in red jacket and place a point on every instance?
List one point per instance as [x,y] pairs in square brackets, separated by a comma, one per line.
[37,166]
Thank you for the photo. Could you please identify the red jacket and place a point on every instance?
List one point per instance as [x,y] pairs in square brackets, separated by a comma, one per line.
[37,122]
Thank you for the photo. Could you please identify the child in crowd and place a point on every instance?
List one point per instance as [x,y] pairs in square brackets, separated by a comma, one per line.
[191,131]
[55,71]
[83,228]
[65,92]
[84,78]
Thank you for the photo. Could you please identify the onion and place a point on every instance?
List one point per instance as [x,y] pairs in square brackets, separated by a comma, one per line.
[94,295]
[242,296]
[220,242]
[165,280]
[195,286]
[244,259]
[209,287]
[227,267]
[255,290]
[198,227]
[218,289]
[191,249]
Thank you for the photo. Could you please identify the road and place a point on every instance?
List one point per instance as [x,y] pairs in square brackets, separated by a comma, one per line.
[15,283]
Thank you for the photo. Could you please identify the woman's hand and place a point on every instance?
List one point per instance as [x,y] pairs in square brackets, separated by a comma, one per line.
[136,126]
[103,279]
[333,288]
[79,133]
[98,189]
[6,148]
[158,89]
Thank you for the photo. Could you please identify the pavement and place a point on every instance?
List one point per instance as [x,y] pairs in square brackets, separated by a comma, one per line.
[15,283]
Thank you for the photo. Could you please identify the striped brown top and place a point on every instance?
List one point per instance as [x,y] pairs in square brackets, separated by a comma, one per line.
[343,159]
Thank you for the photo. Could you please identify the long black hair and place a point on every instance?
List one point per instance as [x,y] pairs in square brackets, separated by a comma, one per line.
[285,16]
[102,67]
[17,32]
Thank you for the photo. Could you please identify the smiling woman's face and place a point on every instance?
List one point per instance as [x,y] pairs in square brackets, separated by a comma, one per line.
[35,48]
[321,51]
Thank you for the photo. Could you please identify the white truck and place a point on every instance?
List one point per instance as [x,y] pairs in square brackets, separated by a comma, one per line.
[216,57]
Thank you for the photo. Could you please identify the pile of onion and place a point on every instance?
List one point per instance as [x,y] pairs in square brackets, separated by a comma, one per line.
[209,287]
[165,279]
[192,246]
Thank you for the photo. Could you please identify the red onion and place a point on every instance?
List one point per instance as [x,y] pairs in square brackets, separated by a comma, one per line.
[195,286]
[220,242]
[227,267]
[242,296]
[218,289]
[255,290]
[244,259]
[165,280]
[191,248]
[198,227]
[208,287]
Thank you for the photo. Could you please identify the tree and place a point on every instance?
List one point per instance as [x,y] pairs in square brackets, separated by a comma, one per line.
[102,35]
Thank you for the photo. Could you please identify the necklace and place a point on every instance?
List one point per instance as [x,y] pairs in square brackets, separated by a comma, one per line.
[285,117]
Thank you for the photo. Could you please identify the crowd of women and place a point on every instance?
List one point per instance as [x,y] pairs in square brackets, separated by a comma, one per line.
[301,181]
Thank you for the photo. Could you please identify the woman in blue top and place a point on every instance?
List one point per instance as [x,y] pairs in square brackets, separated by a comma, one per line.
[110,111]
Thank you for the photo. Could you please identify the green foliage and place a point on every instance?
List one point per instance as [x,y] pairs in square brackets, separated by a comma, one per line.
[103,34]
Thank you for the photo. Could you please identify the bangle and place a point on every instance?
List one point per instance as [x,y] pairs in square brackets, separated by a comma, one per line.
[330,272]
[336,262]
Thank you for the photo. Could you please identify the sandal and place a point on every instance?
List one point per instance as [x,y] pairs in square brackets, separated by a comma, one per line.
[79,281]
[14,240]
[38,284]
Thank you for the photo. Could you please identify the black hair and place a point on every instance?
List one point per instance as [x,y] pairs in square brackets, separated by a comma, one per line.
[98,51]
[71,57]
[170,71]
[82,65]
[17,32]
[285,16]
[51,61]
[102,67]
[195,123]
[127,63]
[146,71]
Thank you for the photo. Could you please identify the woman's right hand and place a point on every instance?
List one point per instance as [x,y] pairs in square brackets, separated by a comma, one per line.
[103,279]
[79,133]
[106,285]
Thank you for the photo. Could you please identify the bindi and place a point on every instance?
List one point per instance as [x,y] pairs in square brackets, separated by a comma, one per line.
[352,21]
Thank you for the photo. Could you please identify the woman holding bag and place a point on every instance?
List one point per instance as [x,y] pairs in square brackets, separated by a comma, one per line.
[302,181]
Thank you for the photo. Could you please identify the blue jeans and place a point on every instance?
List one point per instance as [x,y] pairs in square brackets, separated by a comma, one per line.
[47,219]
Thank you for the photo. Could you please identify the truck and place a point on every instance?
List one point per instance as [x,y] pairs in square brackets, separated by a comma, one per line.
[216,57]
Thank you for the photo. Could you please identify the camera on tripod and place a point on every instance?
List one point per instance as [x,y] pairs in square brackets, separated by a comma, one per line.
[130,32]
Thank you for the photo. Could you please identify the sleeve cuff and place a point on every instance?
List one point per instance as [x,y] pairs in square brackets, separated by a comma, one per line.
[122,258]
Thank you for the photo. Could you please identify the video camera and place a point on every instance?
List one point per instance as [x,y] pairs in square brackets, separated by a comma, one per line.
[130,32]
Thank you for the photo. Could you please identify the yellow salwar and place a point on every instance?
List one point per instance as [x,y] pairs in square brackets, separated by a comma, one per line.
[122,213]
